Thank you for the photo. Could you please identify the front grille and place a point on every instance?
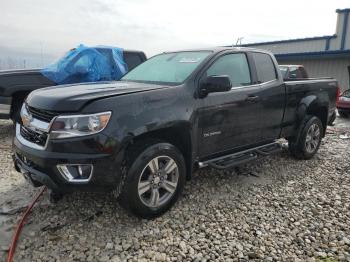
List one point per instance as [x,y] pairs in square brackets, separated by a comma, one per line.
[41,114]
[33,136]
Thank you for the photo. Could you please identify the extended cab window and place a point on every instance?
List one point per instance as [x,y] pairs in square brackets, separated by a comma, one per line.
[235,66]
[264,67]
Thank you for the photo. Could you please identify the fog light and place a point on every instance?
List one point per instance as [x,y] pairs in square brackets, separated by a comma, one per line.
[76,173]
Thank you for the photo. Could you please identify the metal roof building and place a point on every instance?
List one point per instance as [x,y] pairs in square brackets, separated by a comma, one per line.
[322,56]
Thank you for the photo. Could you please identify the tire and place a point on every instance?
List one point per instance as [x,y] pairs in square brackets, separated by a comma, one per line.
[308,140]
[149,191]
[343,114]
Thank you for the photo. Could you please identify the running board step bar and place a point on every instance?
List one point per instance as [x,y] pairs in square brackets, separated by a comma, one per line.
[242,157]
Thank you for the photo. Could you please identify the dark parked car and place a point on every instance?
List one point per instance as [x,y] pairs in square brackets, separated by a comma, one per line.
[343,104]
[293,72]
[144,135]
[15,85]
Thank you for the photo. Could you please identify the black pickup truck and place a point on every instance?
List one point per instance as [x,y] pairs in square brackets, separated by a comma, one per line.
[15,85]
[143,136]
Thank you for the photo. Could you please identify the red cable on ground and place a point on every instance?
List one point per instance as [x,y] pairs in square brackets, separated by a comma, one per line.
[20,226]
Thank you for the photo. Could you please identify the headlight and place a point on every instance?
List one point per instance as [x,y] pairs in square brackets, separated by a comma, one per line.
[79,125]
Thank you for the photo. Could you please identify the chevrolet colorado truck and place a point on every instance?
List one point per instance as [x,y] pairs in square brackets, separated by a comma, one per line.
[143,136]
[15,85]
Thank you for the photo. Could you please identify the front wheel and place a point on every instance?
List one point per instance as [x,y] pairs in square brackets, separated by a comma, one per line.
[154,181]
[308,141]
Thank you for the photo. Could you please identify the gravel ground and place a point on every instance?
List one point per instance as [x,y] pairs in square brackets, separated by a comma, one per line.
[275,209]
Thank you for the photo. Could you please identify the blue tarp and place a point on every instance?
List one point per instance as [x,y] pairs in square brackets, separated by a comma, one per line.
[87,64]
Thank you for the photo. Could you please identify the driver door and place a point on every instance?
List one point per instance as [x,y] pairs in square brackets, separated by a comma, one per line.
[229,120]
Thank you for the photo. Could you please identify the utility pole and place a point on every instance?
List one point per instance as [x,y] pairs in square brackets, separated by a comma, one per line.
[41,52]
[239,41]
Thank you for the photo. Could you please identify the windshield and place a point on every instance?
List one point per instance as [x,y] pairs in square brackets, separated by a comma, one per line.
[170,68]
[284,70]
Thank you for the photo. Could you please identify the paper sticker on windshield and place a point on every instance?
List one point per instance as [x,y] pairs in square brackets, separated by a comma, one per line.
[189,60]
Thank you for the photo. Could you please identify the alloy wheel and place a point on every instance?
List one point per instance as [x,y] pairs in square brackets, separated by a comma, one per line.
[158,181]
[312,138]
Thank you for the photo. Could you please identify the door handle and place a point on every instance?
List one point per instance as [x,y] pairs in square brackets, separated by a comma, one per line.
[252,98]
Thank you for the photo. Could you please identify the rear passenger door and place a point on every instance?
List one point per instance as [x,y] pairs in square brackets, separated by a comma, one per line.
[272,95]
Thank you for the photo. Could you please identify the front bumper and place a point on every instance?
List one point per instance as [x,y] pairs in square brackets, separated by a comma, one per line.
[40,167]
[5,107]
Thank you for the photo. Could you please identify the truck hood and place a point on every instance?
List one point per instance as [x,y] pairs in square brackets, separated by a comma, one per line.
[71,98]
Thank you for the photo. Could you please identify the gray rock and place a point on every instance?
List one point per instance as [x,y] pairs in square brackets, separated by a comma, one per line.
[183,246]
[109,245]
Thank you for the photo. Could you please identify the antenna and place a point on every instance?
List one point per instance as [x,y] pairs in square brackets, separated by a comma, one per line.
[239,41]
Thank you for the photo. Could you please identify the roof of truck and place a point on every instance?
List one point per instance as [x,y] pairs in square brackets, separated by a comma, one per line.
[220,49]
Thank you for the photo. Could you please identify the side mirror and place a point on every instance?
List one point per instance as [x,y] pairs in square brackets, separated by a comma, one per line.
[214,84]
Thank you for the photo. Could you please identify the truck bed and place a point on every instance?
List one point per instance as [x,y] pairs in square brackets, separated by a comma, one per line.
[304,93]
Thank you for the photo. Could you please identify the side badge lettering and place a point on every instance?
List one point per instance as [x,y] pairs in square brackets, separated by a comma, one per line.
[214,133]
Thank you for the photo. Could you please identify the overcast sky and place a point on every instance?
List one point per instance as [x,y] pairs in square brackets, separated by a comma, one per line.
[158,25]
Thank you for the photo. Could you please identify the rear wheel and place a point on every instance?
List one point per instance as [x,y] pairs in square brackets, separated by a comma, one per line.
[154,181]
[308,141]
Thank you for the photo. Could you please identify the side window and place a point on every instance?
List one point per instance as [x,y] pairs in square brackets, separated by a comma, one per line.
[132,60]
[234,66]
[264,67]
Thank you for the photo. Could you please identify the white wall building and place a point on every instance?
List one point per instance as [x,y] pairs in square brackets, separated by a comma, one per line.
[322,56]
